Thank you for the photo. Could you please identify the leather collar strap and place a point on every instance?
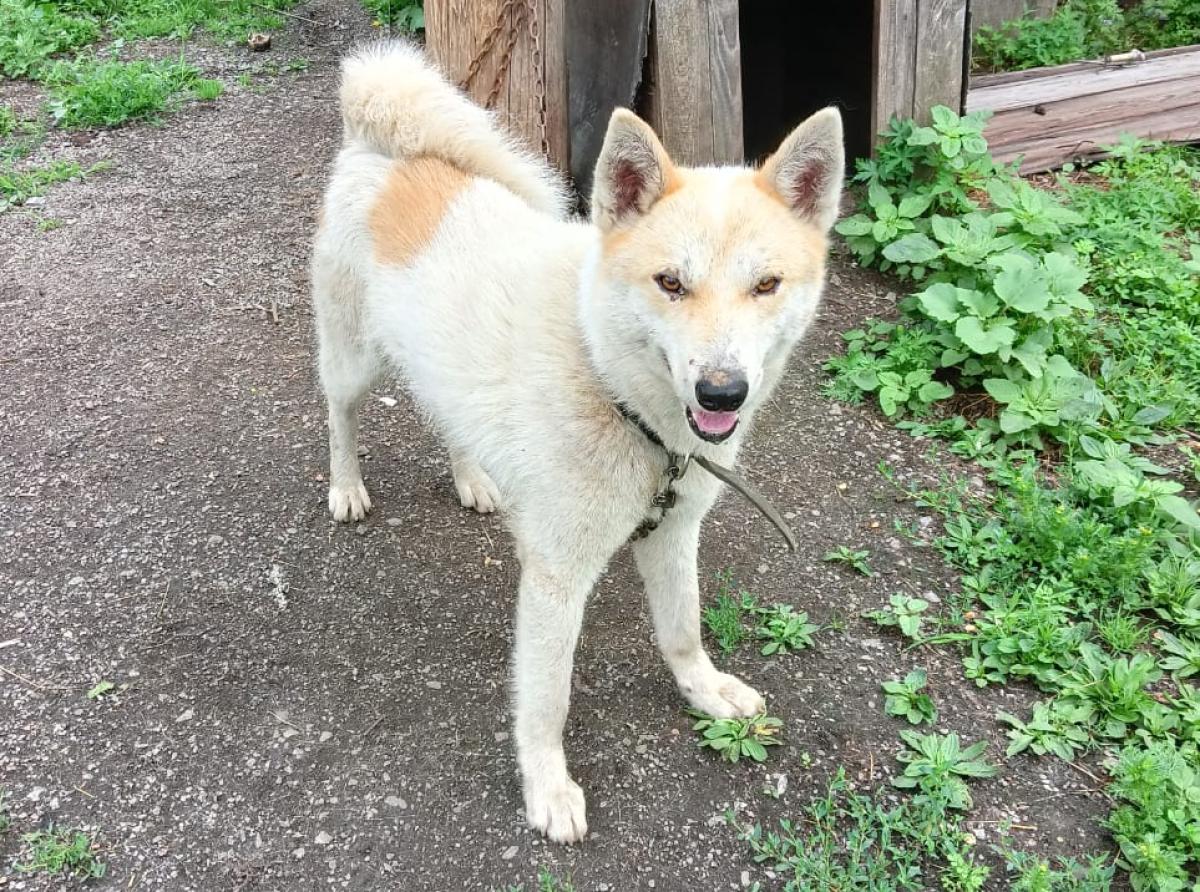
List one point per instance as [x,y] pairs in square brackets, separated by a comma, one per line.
[726,475]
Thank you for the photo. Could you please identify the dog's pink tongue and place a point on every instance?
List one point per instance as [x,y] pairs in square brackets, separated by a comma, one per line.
[714,422]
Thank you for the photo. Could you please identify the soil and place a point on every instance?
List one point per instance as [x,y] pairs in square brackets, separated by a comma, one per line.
[301,705]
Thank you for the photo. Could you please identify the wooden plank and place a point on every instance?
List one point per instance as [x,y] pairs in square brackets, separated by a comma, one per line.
[725,65]
[454,33]
[894,76]
[695,65]
[941,43]
[1180,125]
[605,48]
[1048,132]
[1041,85]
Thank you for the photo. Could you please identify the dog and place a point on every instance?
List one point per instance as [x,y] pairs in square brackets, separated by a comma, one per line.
[567,364]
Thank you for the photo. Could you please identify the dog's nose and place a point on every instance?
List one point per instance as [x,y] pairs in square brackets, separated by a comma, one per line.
[721,391]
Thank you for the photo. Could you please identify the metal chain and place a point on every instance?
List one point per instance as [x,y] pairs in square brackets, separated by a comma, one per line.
[486,46]
[506,56]
[523,12]
[663,500]
[535,38]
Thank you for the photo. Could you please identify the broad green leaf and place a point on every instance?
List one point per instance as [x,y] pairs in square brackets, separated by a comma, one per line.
[1178,509]
[933,391]
[859,224]
[923,136]
[940,302]
[983,339]
[943,117]
[1063,274]
[1002,390]
[1020,283]
[1149,415]
[879,197]
[979,303]
[914,205]
[915,247]
[1013,422]
[865,379]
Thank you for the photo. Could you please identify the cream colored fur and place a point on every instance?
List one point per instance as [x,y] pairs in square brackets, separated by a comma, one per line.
[517,331]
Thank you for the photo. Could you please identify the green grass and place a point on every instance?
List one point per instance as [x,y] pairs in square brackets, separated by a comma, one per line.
[18,186]
[546,882]
[60,852]
[1065,325]
[1085,29]
[96,93]
[33,32]
[737,738]
[855,559]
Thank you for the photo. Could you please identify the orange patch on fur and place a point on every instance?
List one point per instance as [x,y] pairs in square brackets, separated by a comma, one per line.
[410,206]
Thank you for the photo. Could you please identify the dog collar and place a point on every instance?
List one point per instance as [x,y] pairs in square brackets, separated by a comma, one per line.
[677,465]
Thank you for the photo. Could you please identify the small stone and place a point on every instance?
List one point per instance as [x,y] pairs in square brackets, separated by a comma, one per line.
[298,853]
[500,736]
[186,716]
[510,853]
[323,839]
[325,735]
[395,802]
[434,685]
[394,521]
[214,540]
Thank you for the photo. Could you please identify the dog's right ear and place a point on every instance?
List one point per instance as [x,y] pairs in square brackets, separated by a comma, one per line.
[632,172]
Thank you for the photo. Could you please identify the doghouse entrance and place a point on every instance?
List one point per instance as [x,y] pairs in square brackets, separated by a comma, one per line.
[799,57]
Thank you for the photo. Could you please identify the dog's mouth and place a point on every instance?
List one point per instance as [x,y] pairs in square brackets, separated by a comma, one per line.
[714,427]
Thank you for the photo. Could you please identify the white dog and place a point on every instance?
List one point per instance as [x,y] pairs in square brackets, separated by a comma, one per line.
[566,364]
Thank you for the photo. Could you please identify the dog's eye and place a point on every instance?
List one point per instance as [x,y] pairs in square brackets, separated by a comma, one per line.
[669,284]
[767,285]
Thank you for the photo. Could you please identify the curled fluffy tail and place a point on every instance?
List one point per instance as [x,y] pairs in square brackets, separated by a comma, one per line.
[395,102]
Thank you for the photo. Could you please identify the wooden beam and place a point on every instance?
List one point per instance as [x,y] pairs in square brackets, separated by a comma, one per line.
[455,31]
[695,67]
[1052,115]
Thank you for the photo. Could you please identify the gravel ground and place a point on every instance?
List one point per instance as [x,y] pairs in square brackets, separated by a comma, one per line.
[306,706]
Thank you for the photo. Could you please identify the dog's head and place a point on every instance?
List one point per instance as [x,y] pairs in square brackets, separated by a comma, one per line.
[708,276]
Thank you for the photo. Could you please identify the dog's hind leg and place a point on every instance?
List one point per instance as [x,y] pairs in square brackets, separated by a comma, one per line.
[667,561]
[348,368]
[475,488]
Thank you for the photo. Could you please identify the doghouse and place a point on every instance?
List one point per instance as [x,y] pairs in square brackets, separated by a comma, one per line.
[723,80]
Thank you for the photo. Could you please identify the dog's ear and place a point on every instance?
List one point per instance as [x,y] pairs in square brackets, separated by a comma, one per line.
[807,169]
[632,172]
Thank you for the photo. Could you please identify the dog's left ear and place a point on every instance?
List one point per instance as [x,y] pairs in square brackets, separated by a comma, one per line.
[632,172]
[807,169]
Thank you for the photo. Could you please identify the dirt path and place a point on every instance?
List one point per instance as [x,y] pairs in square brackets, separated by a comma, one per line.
[311,706]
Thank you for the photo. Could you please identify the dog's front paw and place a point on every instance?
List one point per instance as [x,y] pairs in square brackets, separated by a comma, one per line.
[349,502]
[557,809]
[721,695]
[475,488]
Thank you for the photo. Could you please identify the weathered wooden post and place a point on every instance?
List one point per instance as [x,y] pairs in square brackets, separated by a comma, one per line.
[509,54]
[695,73]
[920,58]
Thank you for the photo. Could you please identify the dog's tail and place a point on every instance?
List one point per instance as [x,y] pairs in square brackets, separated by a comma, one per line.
[396,103]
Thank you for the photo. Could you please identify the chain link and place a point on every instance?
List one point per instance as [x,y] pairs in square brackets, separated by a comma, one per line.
[523,12]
